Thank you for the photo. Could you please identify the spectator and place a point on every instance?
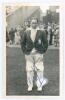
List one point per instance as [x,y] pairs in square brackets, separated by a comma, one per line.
[11,35]
[27,24]
[17,37]
[49,29]
[53,30]
[7,37]
[45,28]
[56,37]
[51,36]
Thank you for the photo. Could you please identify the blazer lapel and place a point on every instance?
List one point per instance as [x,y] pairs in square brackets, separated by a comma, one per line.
[37,35]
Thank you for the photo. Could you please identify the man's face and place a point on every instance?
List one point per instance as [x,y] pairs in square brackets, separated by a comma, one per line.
[34,23]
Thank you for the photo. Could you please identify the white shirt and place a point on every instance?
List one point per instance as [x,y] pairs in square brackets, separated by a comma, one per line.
[33,36]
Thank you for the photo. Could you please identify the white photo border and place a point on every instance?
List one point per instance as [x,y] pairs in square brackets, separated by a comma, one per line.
[60,4]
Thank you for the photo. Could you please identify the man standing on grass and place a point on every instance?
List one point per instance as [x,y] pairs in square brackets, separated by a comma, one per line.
[34,44]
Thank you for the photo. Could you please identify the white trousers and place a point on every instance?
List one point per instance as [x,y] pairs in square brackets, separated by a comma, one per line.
[34,62]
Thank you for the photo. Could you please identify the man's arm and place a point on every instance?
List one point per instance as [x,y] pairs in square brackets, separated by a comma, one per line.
[23,42]
[45,41]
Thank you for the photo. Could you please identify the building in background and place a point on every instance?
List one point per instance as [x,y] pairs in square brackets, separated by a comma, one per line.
[51,15]
[18,15]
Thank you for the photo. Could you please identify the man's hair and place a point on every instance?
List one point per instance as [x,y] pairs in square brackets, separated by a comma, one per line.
[34,19]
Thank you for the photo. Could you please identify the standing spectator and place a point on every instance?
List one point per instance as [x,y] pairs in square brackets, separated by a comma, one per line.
[7,37]
[53,30]
[41,26]
[51,36]
[49,32]
[27,24]
[45,28]
[17,37]
[22,31]
[11,35]
[56,37]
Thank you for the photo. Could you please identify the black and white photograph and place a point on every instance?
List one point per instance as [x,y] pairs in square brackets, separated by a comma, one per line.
[32,50]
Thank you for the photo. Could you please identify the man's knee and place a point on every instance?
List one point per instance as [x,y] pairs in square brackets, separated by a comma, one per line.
[40,66]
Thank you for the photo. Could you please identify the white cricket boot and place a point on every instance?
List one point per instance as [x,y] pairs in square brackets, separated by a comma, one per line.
[39,88]
[30,88]
[45,82]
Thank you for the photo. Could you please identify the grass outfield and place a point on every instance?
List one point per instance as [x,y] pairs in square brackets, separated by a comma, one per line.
[16,73]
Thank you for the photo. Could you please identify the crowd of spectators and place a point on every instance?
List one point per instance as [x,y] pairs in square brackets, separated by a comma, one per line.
[51,29]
